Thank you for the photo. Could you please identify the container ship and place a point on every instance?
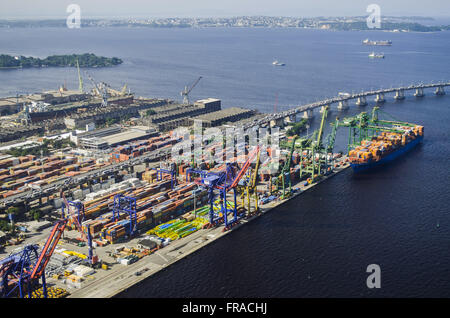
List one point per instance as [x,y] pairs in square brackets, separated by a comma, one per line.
[381,43]
[385,147]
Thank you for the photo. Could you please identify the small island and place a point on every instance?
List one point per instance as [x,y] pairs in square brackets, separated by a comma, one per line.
[84,60]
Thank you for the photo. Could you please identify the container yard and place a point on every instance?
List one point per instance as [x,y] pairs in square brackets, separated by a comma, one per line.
[110,230]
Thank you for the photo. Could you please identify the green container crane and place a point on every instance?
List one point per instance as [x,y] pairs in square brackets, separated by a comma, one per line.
[286,170]
[314,153]
[362,127]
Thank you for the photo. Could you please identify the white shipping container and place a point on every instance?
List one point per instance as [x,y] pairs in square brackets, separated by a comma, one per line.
[83,271]
[57,203]
[78,194]
[124,261]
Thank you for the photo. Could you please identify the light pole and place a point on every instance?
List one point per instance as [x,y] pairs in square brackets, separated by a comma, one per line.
[195,203]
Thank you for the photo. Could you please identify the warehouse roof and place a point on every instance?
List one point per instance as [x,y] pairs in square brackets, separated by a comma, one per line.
[124,136]
[223,114]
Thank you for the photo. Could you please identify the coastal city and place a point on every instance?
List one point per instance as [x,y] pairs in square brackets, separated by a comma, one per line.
[393,24]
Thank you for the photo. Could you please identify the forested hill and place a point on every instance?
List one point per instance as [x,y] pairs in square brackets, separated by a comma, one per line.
[84,60]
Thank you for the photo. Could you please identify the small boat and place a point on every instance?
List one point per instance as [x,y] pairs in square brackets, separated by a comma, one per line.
[277,63]
[374,55]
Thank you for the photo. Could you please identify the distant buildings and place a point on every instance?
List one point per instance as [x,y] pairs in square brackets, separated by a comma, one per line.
[329,23]
[404,24]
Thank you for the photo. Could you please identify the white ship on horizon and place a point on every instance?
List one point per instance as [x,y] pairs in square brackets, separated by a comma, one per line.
[374,55]
[278,63]
[382,43]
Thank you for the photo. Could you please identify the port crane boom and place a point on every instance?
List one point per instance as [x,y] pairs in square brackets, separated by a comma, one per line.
[21,271]
[100,91]
[322,126]
[227,180]
[285,169]
[80,79]
[251,189]
[186,91]
[363,127]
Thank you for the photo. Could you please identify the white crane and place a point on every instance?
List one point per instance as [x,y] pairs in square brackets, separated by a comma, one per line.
[186,91]
[99,90]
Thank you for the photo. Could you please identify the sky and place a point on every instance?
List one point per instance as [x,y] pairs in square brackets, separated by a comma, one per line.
[219,8]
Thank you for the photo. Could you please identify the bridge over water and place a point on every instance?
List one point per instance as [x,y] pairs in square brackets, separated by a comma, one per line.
[342,101]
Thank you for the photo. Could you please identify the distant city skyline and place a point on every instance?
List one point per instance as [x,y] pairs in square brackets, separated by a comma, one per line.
[54,9]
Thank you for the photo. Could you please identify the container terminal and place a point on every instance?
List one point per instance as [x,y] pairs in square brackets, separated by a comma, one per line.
[115,207]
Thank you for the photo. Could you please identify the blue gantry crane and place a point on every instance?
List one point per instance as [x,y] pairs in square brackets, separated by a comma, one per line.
[202,173]
[127,205]
[224,182]
[172,172]
[79,217]
[67,206]
[21,272]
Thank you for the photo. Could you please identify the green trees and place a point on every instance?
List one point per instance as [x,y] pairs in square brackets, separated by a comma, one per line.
[36,214]
[44,148]
[13,210]
[8,61]
[85,60]
[4,226]
[111,121]
[297,128]
[150,112]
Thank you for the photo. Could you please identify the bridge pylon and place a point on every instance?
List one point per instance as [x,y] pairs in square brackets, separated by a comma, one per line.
[278,122]
[307,114]
[343,104]
[361,101]
[290,119]
[379,98]
[419,92]
[399,94]
[440,90]
[322,108]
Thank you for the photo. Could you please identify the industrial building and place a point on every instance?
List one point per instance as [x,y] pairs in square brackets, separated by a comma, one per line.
[11,105]
[13,133]
[119,110]
[113,136]
[175,115]
[222,116]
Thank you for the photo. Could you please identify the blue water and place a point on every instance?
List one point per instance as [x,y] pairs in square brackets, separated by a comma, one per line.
[319,244]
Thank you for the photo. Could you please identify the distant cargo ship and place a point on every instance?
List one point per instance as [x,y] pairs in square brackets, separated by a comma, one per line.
[374,55]
[384,148]
[382,43]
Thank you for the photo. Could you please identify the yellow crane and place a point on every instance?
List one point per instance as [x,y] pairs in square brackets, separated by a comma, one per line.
[249,188]
[80,79]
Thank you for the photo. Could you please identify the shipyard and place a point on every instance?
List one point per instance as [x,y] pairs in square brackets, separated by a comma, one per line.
[110,191]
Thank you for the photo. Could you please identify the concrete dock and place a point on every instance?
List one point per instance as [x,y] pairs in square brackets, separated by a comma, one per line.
[109,283]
